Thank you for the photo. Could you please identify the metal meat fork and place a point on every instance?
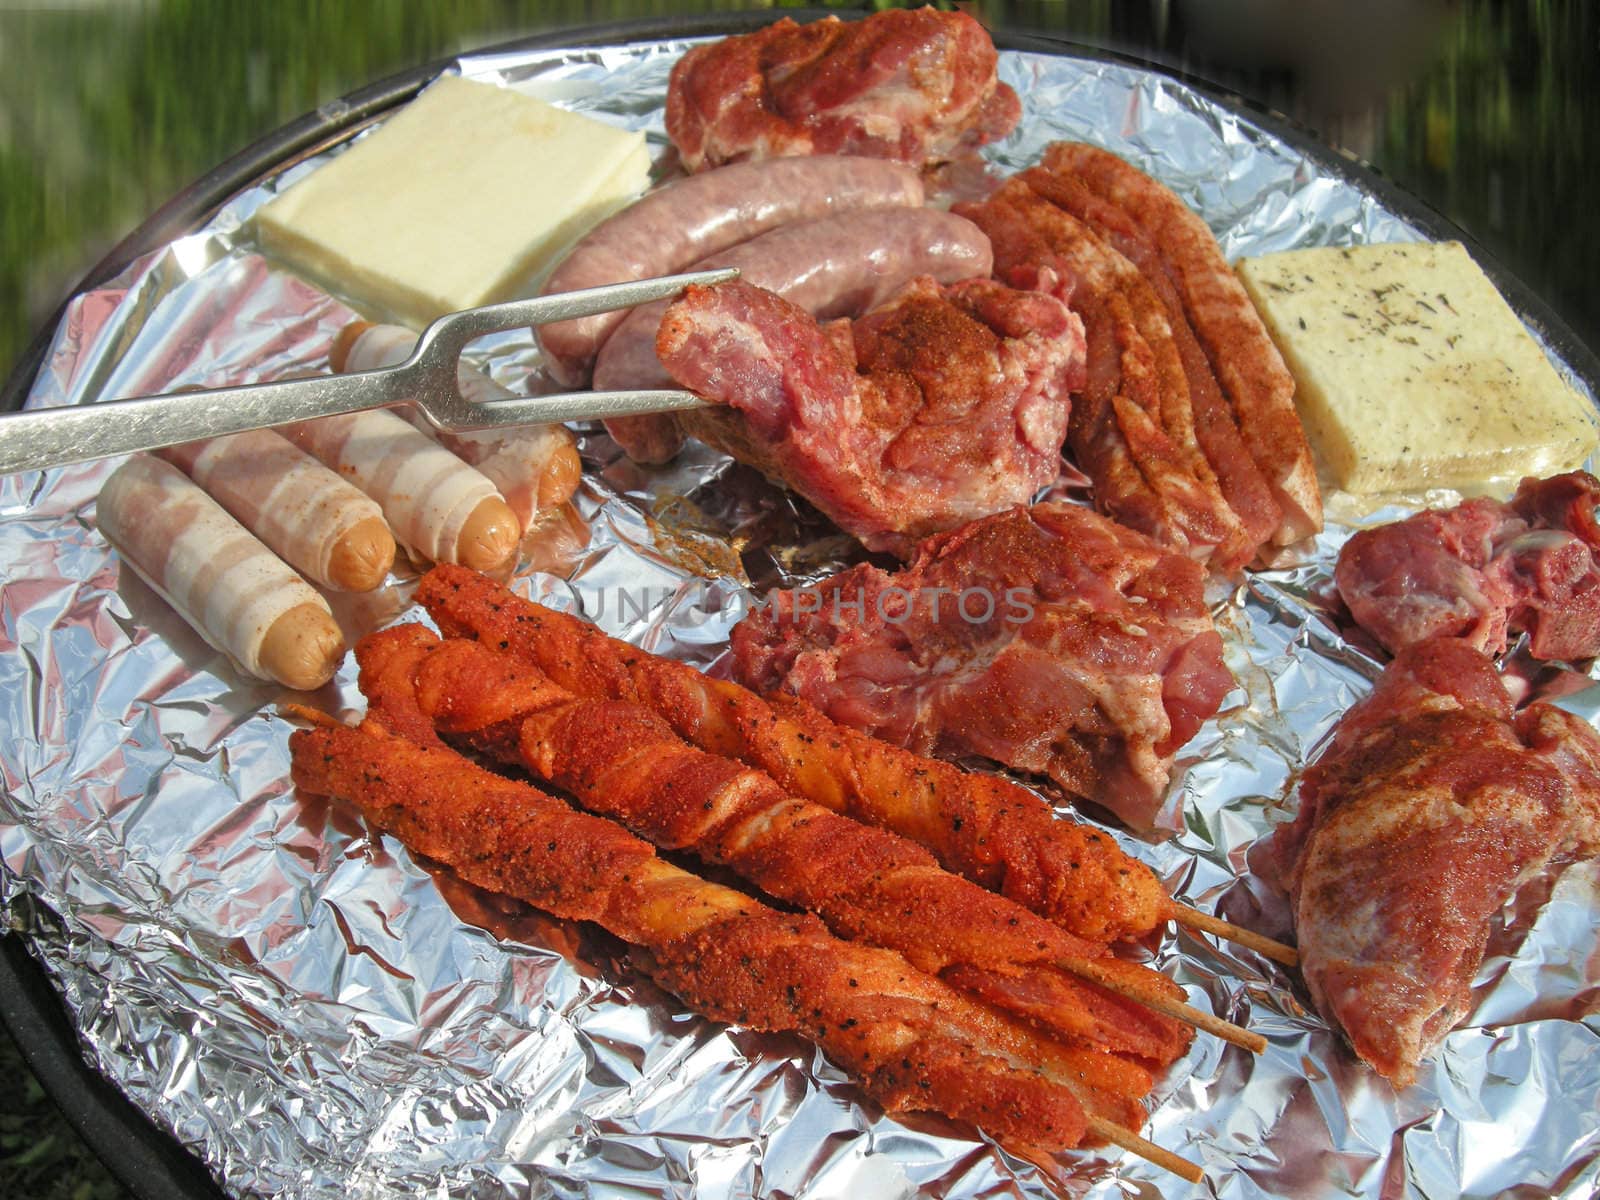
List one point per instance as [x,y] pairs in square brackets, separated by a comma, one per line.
[53,437]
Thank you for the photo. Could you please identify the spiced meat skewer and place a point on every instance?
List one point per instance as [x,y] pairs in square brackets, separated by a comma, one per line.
[994,832]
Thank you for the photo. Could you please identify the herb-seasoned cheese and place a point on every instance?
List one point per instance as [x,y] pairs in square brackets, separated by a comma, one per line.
[454,202]
[1412,371]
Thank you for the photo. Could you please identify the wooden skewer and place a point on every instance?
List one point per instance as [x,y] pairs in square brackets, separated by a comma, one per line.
[1235,1035]
[1183,914]
[1145,1149]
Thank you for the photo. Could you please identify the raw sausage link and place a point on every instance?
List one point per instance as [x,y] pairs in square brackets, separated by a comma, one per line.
[320,525]
[839,266]
[685,221]
[221,579]
[535,467]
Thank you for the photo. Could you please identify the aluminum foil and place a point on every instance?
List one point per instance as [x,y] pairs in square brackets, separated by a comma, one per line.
[315,1014]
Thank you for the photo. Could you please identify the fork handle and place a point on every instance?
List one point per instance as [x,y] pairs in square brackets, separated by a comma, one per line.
[55,437]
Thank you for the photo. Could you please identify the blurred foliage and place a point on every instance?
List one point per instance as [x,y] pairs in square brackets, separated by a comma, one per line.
[41,1158]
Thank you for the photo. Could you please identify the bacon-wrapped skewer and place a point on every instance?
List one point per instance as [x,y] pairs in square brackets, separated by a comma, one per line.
[913,1042]
[994,832]
[623,761]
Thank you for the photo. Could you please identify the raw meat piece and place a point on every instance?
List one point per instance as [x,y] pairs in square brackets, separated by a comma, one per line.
[1430,807]
[943,405]
[910,85]
[1047,638]
[1246,362]
[1132,429]
[1484,569]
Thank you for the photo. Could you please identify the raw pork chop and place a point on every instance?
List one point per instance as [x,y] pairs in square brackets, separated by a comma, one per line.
[1484,569]
[1049,638]
[944,404]
[915,86]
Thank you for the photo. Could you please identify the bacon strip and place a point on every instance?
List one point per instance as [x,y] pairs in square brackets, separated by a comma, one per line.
[992,831]
[622,761]
[1241,352]
[913,1042]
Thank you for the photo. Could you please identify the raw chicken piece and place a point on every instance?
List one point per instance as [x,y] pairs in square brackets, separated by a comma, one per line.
[942,405]
[911,85]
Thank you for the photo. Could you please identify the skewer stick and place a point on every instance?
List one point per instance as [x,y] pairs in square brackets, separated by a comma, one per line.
[1235,1035]
[1183,914]
[1145,1149]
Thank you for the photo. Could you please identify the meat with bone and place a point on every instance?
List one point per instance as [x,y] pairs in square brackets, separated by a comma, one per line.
[1246,363]
[1132,428]
[836,266]
[942,405]
[915,86]
[1484,569]
[686,220]
[622,761]
[1431,806]
[1048,638]
[984,827]
[912,1042]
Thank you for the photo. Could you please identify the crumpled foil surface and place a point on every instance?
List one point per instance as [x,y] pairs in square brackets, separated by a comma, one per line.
[318,1015]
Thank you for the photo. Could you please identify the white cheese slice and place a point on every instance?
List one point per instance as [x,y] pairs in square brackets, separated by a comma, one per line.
[1412,371]
[456,201]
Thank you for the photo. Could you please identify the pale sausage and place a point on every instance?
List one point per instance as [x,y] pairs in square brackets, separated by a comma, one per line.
[220,578]
[685,221]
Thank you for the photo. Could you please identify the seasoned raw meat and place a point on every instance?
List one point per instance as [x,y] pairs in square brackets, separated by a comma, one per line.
[1187,426]
[1484,569]
[945,404]
[1047,638]
[1431,806]
[911,85]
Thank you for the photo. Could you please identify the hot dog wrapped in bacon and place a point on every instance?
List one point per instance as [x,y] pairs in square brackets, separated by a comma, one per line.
[534,467]
[438,507]
[329,531]
[222,580]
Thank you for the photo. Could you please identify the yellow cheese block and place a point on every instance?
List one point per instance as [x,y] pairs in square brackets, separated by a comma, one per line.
[456,201]
[1412,371]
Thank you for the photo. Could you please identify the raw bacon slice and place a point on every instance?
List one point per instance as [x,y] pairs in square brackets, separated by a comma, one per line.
[942,405]
[1431,806]
[1483,570]
[910,85]
[1047,638]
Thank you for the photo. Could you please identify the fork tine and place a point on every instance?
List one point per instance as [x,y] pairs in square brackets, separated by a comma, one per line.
[450,333]
[566,406]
